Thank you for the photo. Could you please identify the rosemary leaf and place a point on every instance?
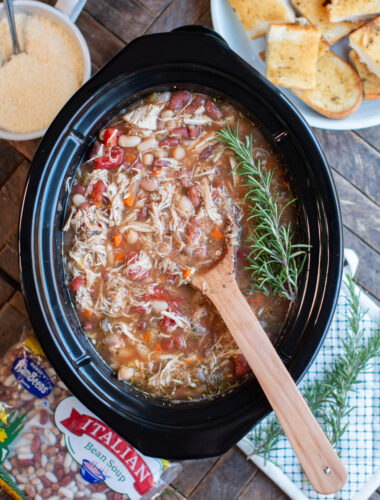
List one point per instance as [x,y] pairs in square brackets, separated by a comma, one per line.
[275,261]
[328,398]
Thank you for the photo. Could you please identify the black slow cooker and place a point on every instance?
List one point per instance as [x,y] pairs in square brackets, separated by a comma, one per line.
[190,57]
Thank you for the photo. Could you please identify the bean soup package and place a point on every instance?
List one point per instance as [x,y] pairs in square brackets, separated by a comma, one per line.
[53,447]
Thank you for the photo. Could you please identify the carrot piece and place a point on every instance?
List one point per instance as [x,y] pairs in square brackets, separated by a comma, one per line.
[201,358]
[216,234]
[186,273]
[128,201]
[117,239]
[130,157]
[147,336]
[158,347]
[189,361]
[119,256]
[87,313]
[157,172]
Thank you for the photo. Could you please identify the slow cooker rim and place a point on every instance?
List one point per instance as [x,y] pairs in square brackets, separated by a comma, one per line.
[322,160]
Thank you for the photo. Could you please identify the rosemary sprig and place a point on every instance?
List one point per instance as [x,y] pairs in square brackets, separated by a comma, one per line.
[275,260]
[328,397]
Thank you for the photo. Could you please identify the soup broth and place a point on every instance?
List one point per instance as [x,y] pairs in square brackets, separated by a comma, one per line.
[157,198]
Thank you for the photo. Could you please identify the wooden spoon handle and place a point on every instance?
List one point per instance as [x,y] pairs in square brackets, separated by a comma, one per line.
[314,451]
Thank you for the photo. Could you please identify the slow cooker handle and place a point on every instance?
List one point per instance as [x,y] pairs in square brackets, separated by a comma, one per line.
[196,28]
[162,48]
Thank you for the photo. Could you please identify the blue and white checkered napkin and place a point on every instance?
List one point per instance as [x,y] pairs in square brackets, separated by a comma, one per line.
[360,444]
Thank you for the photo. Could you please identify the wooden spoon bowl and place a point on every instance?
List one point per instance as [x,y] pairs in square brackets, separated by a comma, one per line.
[319,460]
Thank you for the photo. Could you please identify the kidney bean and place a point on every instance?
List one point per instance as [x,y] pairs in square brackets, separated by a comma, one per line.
[194,196]
[160,162]
[95,150]
[78,189]
[179,99]
[179,342]
[207,152]
[193,234]
[241,365]
[194,131]
[97,192]
[66,480]
[77,283]
[36,443]
[47,493]
[44,416]
[24,463]
[138,165]
[195,104]
[169,142]
[181,132]
[59,474]
[212,110]
[87,325]
[45,481]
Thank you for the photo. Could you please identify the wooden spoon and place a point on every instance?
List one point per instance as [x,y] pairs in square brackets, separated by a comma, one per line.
[314,451]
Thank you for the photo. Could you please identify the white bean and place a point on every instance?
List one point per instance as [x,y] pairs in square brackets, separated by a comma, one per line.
[67,460]
[132,237]
[25,456]
[125,372]
[51,477]
[168,113]
[147,144]
[129,141]
[78,199]
[179,153]
[160,153]
[159,305]
[98,496]
[148,159]
[65,492]
[149,185]
[185,205]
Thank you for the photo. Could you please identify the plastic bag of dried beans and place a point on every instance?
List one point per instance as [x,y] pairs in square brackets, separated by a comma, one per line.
[53,447]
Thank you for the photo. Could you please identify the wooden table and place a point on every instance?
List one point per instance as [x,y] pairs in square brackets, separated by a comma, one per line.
[354,157]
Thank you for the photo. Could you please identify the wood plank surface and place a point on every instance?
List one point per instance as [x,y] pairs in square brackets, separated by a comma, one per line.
[354,157]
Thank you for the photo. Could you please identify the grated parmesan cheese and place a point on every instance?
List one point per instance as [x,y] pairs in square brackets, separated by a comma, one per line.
[36,83]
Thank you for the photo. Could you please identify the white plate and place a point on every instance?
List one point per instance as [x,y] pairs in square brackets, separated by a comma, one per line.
[229,27]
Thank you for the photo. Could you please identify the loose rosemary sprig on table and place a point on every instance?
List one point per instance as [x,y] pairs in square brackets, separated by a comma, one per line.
[328,397]
[275,261]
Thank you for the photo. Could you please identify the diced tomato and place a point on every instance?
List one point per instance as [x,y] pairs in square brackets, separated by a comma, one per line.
[78,189]
[241,365]
[77,283]
[97,193]
[112,159]
[135,273]
[166,324]
[110,136]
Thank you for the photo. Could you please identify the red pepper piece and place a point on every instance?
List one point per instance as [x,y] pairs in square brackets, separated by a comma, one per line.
[77,283]
[110,136]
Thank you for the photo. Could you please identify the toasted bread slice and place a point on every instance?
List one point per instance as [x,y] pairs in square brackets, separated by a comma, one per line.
[292,53]
[316,12]
[371,82]
[257,15]
[338,91]
[352,10]
[366,43]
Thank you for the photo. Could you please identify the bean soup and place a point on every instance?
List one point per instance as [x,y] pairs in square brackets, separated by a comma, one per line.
[157,198]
